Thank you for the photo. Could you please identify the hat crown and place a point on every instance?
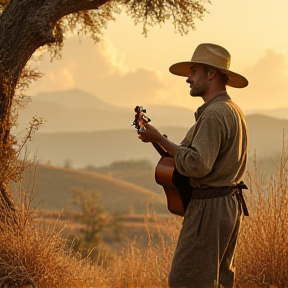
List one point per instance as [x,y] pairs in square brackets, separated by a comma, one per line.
[213,55]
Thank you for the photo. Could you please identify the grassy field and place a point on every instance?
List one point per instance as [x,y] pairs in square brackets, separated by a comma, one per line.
[37,252]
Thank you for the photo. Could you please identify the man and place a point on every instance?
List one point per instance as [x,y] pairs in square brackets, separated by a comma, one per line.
[213,155]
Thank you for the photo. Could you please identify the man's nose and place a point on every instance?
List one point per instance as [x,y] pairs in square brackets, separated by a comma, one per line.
[188,79]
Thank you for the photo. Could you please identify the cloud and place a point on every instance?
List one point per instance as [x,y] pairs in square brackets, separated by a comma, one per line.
[267,82]
[98,69]
[64,76]
[116,60]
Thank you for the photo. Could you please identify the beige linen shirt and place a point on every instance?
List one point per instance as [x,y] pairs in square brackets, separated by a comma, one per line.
[214,151]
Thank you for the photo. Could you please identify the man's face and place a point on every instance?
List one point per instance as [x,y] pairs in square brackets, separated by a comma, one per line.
[198,80]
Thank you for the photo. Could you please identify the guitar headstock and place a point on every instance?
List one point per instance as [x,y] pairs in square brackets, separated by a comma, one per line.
[140,117]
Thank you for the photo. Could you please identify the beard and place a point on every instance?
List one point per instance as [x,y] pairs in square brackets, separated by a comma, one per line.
[198,90]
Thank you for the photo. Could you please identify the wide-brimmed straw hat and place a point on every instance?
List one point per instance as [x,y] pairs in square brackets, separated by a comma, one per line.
[215,56]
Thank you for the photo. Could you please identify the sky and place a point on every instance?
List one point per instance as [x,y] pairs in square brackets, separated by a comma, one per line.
[127,69]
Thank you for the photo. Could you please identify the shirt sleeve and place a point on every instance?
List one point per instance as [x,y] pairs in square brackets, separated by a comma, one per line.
[198,159]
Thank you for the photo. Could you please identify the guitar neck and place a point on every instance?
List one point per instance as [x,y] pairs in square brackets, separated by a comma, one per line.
[141,118]
[160,149]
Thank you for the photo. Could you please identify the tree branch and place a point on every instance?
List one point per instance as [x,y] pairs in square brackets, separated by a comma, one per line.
[66,7]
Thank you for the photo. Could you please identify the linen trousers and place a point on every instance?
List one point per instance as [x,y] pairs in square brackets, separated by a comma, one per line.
[204,255]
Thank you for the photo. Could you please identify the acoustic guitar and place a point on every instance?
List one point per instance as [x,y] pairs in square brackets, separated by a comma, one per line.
[176,186]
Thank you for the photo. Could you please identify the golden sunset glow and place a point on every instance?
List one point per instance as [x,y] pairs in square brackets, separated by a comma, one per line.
[127,67]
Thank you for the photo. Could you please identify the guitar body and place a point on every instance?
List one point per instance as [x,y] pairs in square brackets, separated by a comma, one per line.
[176,186]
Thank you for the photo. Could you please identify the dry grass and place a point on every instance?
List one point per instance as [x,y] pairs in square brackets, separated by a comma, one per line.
[262,256]
[146,266]
[37,254]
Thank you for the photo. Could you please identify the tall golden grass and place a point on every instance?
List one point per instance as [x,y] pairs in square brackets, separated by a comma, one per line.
[262,256]
[37,254]
[33,253]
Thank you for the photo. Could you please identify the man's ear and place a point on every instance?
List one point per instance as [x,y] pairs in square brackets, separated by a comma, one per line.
[211,73]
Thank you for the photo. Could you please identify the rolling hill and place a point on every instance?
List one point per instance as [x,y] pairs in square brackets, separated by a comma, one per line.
[54,190]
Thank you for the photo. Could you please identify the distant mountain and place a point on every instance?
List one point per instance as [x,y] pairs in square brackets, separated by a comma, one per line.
[83,130]
[96,148]
[78,111]
[74,99]
[266,135]
[279,113]
[103,147]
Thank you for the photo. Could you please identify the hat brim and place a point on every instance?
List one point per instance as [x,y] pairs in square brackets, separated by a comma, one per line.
[235,80]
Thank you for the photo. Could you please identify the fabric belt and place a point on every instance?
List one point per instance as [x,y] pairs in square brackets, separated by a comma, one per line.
[214,192]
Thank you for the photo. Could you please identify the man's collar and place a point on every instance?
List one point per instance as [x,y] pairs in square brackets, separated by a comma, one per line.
[220,97]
